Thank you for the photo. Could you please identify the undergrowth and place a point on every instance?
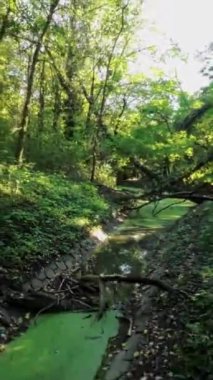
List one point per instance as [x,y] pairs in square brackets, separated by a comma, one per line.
[185,250]
[197,352]
[43,215]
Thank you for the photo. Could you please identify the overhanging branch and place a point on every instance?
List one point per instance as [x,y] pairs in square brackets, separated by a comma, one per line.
[130,279]
[190,119]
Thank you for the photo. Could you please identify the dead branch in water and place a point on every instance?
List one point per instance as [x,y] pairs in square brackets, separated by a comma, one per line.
[129,279]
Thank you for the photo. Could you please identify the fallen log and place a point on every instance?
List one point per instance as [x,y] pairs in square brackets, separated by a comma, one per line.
[130,279]
[37,301]
[33,301]
[64,301]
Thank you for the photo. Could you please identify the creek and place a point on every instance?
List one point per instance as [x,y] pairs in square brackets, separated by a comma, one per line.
[70,346]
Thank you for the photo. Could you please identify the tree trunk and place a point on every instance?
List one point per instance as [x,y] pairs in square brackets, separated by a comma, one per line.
[4,23]
[41,100]
[25,111]
[94,161]
[56,106]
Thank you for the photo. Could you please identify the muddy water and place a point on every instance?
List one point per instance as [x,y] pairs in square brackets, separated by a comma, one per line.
[128,247]
[126,250]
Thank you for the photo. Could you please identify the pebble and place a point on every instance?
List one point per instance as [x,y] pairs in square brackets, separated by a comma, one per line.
[41,275]
[50,273]
[61,265]
[2,347]
[36,284]
[3,337]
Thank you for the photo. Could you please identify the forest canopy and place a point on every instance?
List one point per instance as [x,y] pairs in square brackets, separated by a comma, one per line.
[70,101]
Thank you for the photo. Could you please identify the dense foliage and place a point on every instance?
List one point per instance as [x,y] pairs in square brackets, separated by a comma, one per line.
[44,215]
[74,101]
[70,100]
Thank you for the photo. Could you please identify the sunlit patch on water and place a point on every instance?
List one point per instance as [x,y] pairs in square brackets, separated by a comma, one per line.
[138,237]
[125,268]
[99,234]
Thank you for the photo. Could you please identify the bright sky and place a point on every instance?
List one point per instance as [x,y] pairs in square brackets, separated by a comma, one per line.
[190,24]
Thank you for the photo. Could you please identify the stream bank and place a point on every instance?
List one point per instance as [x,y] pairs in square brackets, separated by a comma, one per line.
[128,248]
[171,335]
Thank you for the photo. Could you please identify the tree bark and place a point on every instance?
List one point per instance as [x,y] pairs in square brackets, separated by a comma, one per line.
[56,107]
[94,160]
[130,279]
[41,99]
[4,24]
[70,104]
[188,122]
[151,175]
[25,110]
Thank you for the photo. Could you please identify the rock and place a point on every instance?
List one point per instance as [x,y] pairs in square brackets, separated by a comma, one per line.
[61,265]
[2,347]
[68,261]
[27,287]
[4,317]
[41,275]
[50,273]
[83,244]
[3,337]
[53,266]
[36,284]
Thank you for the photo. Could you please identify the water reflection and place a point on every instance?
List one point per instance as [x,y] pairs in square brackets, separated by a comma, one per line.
[125,268]
[122,256]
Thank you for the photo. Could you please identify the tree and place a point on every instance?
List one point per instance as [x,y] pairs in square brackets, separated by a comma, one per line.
[206,57]
[169,158]
[68,91]
[32,66]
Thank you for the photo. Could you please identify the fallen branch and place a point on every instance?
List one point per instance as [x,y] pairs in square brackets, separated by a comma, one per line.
[37,301]
[155,208]
[129,279]
[155,213]
[156,201]
[45,308]
[153,198]
[102,299]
